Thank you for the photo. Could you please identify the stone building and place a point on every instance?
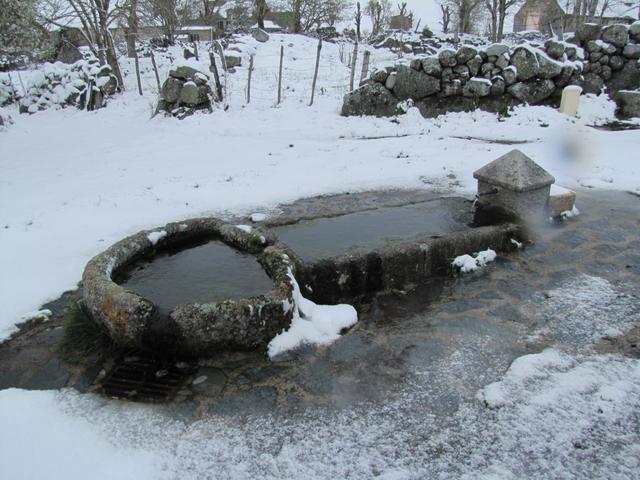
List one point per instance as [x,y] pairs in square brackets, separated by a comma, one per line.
[549,16]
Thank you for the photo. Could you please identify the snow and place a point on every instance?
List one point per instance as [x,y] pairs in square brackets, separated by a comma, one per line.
[467,263]
[68,186]
[258,217]
[155,237]
[311,324]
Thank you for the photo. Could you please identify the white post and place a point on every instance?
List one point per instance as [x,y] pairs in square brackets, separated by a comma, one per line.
[570,100]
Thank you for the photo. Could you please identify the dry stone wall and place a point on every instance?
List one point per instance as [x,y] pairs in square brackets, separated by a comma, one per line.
[500,76]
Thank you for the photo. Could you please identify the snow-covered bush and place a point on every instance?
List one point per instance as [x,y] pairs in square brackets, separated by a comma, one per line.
[6,92]
[5,118]
[61,85]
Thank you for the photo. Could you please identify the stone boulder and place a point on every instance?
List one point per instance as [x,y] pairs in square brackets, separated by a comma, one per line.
[548,67]
[632,51]
[627,78]
[465,53]
[184,91]
[589,31]
[431,66]
[617,35]
[532,92]
[232,61]
[628,102]
[592,83]
[370,99]
[554,49]
[183,72]
[260,35]
[447,58]
[477,87]
[414,85]
[497,49]
[526,61]
[171,90]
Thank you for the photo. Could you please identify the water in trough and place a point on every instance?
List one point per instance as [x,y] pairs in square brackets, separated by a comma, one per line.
[206,272]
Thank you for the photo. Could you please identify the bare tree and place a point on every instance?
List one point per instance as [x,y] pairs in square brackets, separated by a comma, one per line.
[358,22]
[498,10]
[445,15]
[309,14]
[96,16]
[260,11]
[378,11]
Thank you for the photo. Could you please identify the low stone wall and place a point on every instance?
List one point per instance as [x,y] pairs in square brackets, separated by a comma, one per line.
[186,90]
[499,76]
[134,321]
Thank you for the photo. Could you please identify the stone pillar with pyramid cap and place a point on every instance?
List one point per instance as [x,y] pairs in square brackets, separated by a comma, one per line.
[515,186]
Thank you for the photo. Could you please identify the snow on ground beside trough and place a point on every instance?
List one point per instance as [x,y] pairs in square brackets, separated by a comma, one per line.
[75,182]
[552,416]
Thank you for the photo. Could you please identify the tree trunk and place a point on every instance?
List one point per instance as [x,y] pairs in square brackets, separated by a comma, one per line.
[131,31]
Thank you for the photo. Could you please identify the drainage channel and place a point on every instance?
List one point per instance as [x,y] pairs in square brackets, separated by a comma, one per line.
[143,378]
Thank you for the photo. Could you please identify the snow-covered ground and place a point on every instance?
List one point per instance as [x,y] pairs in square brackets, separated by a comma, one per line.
[74,182]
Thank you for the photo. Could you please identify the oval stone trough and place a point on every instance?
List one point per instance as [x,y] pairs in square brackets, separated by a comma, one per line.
[197,328]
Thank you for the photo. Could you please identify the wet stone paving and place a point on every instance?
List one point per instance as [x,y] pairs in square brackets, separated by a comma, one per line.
[450,335]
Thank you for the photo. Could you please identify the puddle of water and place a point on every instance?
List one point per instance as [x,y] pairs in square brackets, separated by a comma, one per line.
[362,231]
[207,272]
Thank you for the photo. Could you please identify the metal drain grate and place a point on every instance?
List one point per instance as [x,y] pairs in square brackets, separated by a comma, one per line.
[143,378]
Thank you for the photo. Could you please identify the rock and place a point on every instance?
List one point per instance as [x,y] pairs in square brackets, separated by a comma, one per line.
[171,90]
[627,78]
[631,50]
[452,88]
[416,64]
[589,31]
[232,61]
[498,86]
[572,52]
[595,67]
[497,49]
[532,92]
[628,102]
[110,86]
[593,46]
[414,85]
[592,83]
[462,72]
[447,58]
[260,35]
[200,78]
[565,76]
[606,73]
[526,61]
[431,66]
[616,62]
[617,34]
[487,68]
[548,68]
[183,72]
[380,76]
[465,53]
[391,81]
[187,54]
[447,74]
[193,95]
[608,48]
[560,200]
[510,75]
[474,65]
[634,28]
[604,60]
[554,49]
[502,61]
[595,56]
[476,88]
[370,99]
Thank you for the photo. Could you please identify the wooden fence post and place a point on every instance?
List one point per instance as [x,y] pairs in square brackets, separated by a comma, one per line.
[280,75]
[249,81]
[315,74]
[354,61]
[195,50]
[216,77]
[365,65]
[155,69]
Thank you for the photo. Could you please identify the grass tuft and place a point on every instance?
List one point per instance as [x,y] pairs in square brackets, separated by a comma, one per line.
[84,338]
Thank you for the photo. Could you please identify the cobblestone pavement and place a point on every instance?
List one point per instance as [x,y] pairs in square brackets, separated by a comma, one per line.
[452,335]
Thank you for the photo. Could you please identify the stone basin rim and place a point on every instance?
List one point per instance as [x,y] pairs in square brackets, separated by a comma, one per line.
[134,321]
